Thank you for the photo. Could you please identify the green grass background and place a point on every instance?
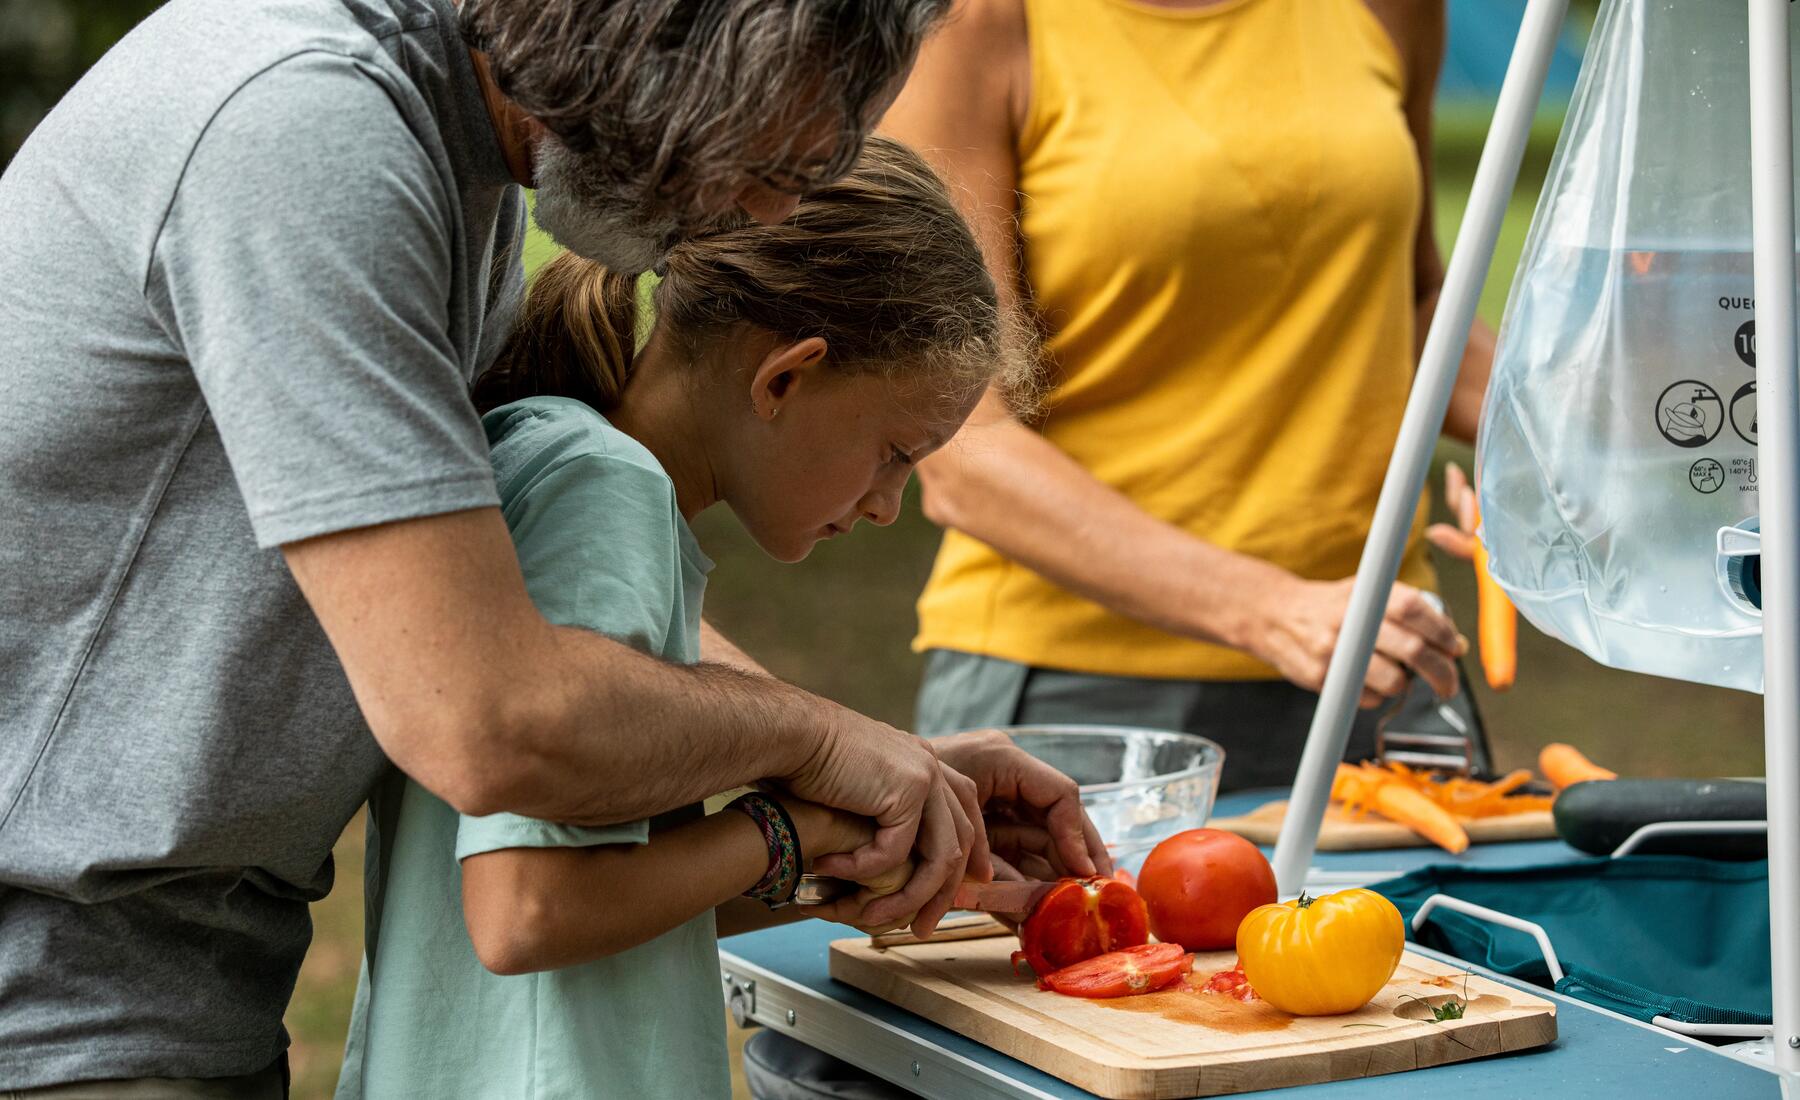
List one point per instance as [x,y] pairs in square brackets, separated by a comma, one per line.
[839,623]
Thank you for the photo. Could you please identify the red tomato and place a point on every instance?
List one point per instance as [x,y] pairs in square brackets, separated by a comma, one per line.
[1142,969]
[1081,918]
[1199,884]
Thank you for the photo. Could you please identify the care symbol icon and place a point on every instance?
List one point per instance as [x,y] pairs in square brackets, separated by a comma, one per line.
[1690,413]
[1706,476]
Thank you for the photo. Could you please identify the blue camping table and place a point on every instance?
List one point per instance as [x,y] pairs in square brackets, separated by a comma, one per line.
[779,979]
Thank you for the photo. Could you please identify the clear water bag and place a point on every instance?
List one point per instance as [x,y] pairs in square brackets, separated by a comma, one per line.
[1617,463]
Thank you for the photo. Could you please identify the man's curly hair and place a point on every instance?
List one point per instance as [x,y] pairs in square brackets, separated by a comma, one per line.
[677,98]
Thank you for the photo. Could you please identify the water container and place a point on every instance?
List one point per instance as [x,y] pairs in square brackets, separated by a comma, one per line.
[1616,462]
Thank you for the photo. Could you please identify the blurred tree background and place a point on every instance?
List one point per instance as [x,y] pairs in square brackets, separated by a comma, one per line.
[839,623]
[45,46]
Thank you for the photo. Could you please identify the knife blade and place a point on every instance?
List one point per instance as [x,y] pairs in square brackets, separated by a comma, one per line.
[1012,898]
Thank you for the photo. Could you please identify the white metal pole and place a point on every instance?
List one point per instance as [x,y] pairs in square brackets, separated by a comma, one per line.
[1778,470]
[1419,429]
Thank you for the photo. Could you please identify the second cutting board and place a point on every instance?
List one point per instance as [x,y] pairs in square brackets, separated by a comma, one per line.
[1344,832]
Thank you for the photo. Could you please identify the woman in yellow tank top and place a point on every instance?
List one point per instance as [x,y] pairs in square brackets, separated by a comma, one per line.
[1214,207]
[1216,210]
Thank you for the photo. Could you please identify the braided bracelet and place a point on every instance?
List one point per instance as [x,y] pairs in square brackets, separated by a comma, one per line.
[776,888]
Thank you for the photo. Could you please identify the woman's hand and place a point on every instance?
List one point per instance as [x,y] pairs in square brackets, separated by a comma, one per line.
[1299,627]
[1458,541]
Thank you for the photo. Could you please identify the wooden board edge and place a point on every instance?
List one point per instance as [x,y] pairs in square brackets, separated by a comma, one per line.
[850,962]
[1283,1068]
[1382,835]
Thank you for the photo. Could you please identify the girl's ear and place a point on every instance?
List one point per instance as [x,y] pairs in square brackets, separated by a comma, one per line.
[783,372]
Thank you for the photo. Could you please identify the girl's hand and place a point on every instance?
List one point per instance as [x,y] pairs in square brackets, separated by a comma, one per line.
[849,910]
[1011,785]
[824,830]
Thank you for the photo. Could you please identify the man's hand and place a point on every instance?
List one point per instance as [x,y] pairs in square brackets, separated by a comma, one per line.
[923,810]
[1029,806]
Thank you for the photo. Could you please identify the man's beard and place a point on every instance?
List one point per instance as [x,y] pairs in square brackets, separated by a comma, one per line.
[593,217]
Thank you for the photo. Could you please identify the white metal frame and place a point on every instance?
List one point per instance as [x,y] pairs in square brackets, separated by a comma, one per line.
[1778,467]
[1493,916]
[1778,414]
[1686,828]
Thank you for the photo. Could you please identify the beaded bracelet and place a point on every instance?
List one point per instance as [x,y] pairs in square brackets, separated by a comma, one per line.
[776,888]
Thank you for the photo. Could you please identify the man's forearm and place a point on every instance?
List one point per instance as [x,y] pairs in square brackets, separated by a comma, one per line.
[648,736]
[718,649]
[472,693]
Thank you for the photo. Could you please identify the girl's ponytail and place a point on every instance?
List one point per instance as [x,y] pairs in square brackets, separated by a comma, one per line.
[575,337]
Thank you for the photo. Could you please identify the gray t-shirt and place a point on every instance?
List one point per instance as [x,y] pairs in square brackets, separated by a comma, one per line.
[247,268]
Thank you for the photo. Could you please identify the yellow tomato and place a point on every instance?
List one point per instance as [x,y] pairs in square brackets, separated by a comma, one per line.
[1321,956]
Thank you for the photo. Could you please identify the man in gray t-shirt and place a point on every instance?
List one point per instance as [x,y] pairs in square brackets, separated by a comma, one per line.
[229,319]
[247,268]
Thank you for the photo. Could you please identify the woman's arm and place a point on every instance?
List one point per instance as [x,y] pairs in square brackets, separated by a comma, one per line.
[533,909]
[1418,29]
[1008,486]
[1014,490]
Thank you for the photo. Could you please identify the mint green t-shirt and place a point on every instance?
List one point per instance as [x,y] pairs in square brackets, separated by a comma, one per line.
[604,548]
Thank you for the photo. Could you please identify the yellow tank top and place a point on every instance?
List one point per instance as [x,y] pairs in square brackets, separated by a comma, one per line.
[1219,214]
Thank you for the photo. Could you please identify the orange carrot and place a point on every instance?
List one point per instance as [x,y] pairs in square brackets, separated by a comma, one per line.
[1355,787]
[1392,795]
[1398,802]
[1496,620]
[1563,765]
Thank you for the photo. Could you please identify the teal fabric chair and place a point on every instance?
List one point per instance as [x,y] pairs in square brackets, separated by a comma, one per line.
[1645,936]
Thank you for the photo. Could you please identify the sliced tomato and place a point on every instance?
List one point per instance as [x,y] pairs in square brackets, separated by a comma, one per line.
[1081,918]
[1141,969]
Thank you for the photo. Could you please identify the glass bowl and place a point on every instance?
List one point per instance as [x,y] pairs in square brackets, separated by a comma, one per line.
[1139,785]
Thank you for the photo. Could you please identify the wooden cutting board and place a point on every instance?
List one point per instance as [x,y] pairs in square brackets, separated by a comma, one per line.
[1342,832]
[1182,1042]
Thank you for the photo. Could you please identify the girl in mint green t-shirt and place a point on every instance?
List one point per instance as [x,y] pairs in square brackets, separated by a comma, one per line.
[795,373]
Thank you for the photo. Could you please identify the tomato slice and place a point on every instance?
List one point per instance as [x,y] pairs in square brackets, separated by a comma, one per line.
[1081,918]
[1141,969]
[1232,983]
